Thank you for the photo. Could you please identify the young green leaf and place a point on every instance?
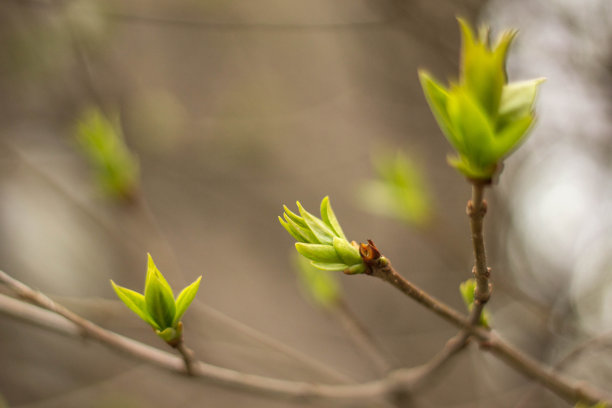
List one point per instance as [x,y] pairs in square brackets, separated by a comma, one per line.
[318,252]
[152,270]
[400,190]
[473,125]
[323,233]
[355,269]
[102,143]
[437,98]
[467,290]
[321,287]
[512,135]
[347,253]
[159,300]
[295,234]
[168,335]
[304,232]
[135,302]
[296,218]
[518,98]
[324,266]
[184,299]
[329,217]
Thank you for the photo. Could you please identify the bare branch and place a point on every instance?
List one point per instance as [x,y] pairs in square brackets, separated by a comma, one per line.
[361,337]
[476,210]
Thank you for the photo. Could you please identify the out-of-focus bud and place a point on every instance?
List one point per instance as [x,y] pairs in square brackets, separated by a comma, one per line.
[483,117]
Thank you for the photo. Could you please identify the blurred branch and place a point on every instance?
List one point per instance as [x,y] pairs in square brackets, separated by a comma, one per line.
[397,381]
[58,319]
[602,340]
[156,20]
[323,289]
[361,336]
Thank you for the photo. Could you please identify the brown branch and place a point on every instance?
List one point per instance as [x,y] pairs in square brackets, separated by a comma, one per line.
[476,210]
[187,356]
[58,319]
[567,389]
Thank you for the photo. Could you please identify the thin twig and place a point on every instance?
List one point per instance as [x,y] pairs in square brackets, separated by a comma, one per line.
[402,380]
[361,337]
[398,381]
[187,356]
[567,389]
[602,340]
[476,210]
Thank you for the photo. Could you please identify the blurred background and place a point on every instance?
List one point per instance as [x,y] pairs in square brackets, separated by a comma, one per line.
[180,128]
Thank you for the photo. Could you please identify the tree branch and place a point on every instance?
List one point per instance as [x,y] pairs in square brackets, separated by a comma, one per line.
[361,337]
[567,389]
[476,210]
[398,381]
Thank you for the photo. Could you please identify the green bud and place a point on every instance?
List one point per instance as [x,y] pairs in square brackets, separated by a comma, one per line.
[348,253]
[318,252]
[158,295]
[468,289]
[483,117]
[329,217]
[399,191]
[157,306]
[321,239]
[322,288]
[102,143]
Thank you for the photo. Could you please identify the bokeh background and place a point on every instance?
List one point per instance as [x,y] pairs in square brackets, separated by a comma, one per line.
[234,108]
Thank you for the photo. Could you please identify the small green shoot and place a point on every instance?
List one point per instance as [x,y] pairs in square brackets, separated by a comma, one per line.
[322,288]
[322,240]
[102,143]
[399,190]
[157,306]
[483,116]
[467,290]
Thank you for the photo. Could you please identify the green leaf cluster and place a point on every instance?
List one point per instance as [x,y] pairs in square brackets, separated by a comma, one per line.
[102,143]
[322,240]
[157,306]
[399,190]
[323,288]
[467,290]
[483,116]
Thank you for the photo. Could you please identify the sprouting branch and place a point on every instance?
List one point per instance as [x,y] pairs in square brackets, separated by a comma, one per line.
[187,356]
[56,318]
[569,390]
[403,380]
[361,336]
